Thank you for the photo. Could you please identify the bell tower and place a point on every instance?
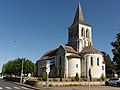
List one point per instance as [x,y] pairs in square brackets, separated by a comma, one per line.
[79,33]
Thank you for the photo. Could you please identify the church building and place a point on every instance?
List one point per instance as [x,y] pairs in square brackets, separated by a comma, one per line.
[77,56]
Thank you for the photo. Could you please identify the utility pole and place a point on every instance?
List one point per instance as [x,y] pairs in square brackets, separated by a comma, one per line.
[21,66]
[21,72]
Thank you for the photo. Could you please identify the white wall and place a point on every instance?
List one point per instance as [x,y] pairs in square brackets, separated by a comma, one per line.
[72,62]
[96,71]
[83,39]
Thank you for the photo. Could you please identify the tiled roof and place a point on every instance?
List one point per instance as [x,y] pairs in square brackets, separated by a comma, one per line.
[89,50]
[49,54]
[69,49]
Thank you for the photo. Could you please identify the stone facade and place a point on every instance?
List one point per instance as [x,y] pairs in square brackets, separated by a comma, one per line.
[78,56]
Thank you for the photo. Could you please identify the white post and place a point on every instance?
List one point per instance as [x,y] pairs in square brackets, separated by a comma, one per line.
[48,62]
[21,72]
[47,82]
[22,64]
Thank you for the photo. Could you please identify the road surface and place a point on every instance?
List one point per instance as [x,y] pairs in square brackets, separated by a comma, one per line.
[4,85]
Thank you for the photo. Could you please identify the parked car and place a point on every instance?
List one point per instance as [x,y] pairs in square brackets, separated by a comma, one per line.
[113,81]
[1,77]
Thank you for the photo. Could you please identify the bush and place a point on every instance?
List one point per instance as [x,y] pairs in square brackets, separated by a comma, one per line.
[102,77]
[44,77]
[84,79]
[77,78]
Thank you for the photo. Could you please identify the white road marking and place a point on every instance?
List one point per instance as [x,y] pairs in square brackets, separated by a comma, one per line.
[1,88]
[16,87]
[24,88]
[8,87]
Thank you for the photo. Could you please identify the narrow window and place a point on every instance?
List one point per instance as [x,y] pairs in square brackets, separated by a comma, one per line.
[82,32]
[60,61]
[102,67]
[97,61]
[76,65]
[87,33]
[91,61]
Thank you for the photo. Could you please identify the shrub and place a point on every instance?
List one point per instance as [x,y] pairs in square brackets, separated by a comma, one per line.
[77,78]
[102,77]
[44,77]
[84,79]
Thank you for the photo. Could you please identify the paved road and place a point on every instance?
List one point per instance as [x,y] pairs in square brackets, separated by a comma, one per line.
[82,88]
[10,86]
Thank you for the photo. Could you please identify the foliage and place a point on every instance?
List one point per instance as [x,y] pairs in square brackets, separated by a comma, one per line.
[102,77]
[15,66]
[84,79]
[110,66]
[44,77]
[116,52]
[8,68]
[77,78]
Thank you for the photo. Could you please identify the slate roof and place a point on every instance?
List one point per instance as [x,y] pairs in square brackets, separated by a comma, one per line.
[69,49]
[49,54]
[79,17]
[89,50]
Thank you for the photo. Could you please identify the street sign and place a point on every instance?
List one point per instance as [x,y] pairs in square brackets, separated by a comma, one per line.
[48,66]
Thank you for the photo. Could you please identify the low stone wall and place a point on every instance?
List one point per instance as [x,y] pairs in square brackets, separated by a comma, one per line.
[57,83]
[40,83]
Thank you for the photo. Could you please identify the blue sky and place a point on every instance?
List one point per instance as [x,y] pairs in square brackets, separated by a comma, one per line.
[41,25]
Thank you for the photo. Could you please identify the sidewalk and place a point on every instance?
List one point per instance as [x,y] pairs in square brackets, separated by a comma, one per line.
[25,85]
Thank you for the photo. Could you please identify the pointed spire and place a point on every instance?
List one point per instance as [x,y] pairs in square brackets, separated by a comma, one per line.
[79,17]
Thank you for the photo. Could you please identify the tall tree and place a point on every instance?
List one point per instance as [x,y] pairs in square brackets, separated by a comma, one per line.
[8,67]
[116,52]
[15,67]
[109,64]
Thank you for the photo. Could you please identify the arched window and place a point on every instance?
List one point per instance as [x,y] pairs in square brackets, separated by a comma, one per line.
[97,61]
[82,32]
[87,33]
[90,43]
[91,61]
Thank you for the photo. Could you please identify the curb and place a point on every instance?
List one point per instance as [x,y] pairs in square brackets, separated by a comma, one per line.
[25,85]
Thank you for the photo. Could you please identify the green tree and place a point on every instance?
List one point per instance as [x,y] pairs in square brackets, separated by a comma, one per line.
[15,67]
[109,64]
[116,52]
[8,68]
[28,67]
